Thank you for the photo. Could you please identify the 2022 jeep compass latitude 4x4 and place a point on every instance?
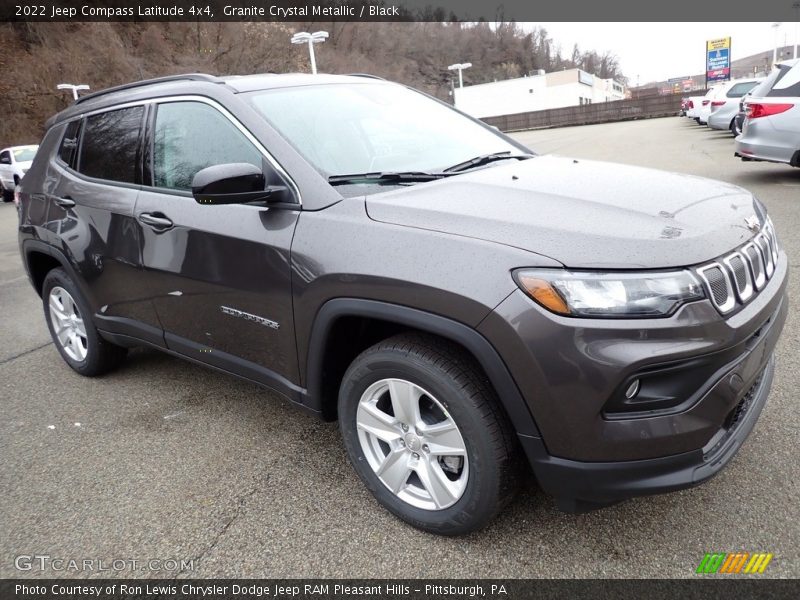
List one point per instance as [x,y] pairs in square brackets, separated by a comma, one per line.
[376,257]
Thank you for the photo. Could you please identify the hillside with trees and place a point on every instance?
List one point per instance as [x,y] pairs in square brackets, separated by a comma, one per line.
[38,56]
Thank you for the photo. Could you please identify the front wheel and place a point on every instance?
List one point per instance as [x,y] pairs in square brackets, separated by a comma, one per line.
[425,433]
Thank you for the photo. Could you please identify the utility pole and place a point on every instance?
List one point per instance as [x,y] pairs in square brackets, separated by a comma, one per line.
[796,7]
[775,26]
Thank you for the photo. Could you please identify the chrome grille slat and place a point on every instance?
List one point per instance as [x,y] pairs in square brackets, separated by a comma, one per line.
[756,263]
[762,242]
[719,286]
[737,264]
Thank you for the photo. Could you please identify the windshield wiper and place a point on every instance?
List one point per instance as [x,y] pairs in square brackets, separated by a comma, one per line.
[385,177]
[485,159]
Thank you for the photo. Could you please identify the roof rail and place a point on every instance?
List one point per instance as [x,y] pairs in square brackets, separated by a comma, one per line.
[135,84]
[367,75]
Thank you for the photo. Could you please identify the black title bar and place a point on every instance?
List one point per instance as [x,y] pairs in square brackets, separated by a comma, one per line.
[399,10]
[699,588]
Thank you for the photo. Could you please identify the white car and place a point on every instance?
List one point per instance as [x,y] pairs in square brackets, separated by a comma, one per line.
[704,111]
[14,163]
[693,106]
[725,106]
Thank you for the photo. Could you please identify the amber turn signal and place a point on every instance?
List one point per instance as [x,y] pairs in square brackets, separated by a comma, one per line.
[544,293]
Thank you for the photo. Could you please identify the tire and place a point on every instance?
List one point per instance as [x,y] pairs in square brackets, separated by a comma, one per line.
[82,347]
[732,127]
[8,196]
[456,408]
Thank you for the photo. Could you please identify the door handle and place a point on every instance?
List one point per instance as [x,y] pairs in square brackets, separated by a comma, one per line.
[157,221]
[65,202]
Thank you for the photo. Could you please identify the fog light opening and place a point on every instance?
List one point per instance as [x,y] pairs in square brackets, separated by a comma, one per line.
[632,390]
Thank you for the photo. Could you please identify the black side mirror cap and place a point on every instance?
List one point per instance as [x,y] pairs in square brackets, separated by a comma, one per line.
[232,183]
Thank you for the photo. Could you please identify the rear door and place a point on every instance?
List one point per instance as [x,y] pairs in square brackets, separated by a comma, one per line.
[219,275]
[91,189]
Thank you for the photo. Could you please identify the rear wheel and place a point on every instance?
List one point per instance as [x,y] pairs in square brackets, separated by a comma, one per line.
[69,320]
[8,195]
[426,435]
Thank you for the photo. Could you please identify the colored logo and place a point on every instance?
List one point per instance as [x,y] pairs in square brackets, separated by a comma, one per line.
[734,562]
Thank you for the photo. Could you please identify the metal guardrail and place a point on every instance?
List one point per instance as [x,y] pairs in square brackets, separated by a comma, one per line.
[602,112]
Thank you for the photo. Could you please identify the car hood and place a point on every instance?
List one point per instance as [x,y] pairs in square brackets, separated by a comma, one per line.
[584,214]
[24,165]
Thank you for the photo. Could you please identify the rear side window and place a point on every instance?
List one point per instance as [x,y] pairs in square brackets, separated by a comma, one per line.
[110,145]
[740,89]
[763,88]
[788,84]
[190,136]
[68,150]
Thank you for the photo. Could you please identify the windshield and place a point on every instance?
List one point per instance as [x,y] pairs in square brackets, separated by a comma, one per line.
[364,128]
[25,154]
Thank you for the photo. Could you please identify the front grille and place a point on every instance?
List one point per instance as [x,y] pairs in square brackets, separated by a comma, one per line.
[738,276]
[736,416]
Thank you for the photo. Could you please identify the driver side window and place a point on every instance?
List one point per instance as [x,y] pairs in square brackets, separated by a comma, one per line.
[190,136]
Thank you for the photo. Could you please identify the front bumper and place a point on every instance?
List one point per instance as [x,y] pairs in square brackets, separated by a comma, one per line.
[581,486]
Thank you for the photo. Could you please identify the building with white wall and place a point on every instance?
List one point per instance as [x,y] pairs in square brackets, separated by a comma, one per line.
[572,87]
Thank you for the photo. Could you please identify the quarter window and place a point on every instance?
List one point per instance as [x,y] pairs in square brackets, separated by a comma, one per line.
[68,150]
[110,145]
[190,136]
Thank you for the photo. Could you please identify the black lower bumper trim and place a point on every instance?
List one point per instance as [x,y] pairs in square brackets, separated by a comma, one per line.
[579,486]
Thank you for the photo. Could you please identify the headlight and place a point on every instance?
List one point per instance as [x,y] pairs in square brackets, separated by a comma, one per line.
[610,295]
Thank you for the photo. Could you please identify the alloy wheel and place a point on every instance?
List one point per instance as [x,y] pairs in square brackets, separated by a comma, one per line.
[412,444]
[68,326]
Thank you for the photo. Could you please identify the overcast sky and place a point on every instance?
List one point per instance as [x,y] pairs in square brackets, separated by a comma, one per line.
[658,51]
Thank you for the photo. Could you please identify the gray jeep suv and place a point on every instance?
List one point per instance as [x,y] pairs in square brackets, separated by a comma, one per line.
[455,301]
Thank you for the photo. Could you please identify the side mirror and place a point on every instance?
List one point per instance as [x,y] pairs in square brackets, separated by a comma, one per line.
[234,183]
[242,183]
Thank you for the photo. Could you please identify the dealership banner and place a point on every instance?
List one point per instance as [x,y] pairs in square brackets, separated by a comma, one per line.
[392,10]
[742,586]
[718,60]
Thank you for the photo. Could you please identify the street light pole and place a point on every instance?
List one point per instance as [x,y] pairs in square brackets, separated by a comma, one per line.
[460,68]
[775,26]
[796,7]
[74,88]
[304,37]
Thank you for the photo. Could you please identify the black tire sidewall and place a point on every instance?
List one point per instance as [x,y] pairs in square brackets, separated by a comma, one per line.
[59,278]
[478,504]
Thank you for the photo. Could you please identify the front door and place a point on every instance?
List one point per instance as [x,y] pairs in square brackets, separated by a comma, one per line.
[219,275]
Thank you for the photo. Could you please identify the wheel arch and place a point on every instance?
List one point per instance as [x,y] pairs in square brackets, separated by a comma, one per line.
[41,258]
[323,374]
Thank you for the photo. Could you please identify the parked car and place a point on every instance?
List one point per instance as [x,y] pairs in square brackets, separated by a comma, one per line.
[704,111]
[693,105]
[454,300]
[771,130]
[14,163]
[725,104]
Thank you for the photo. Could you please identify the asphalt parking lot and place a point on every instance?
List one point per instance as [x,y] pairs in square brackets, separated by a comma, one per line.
[166,460]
